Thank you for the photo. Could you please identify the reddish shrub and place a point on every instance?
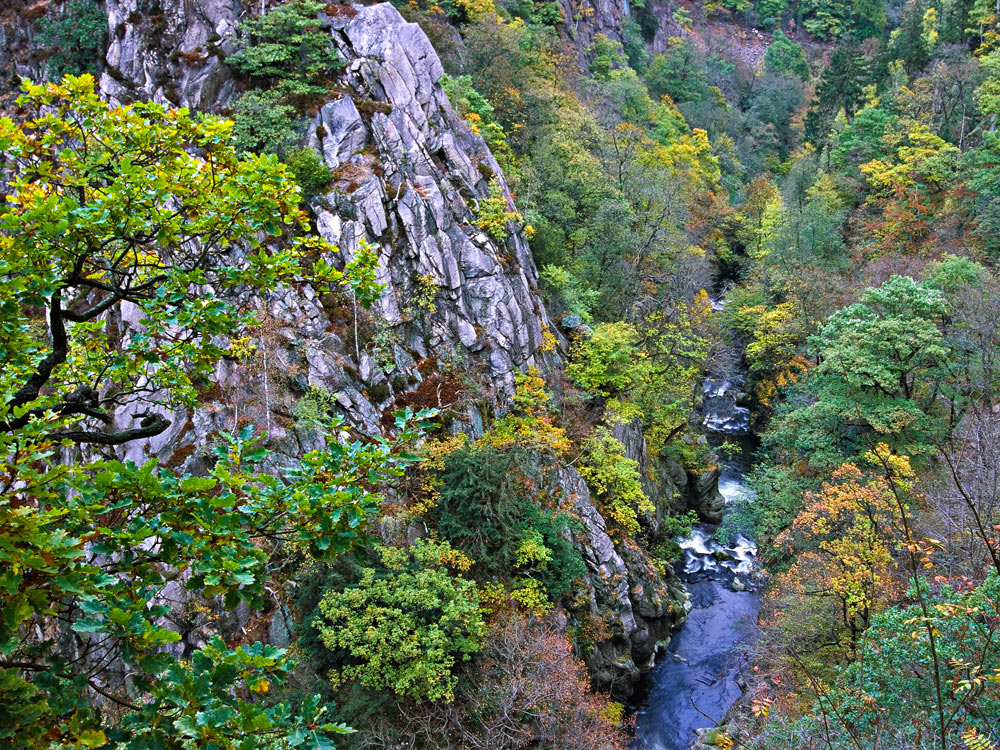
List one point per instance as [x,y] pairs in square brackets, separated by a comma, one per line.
[524,691]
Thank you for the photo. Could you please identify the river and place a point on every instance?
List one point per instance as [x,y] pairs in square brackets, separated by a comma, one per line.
[698,678]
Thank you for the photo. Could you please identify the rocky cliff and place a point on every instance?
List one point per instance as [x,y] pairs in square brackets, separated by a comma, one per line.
[18,55]
[584,21]
[408,178]
[461,311]
[653,20]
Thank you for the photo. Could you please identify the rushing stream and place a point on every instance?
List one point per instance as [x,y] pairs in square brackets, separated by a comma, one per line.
[698,679]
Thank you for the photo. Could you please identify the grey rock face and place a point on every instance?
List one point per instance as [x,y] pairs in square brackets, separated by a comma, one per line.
[610,17]
[571,322]
[605,17]
[704,496]
[171,51]
[672,489]
[409,176]
[16,46]
[626,592]
[339,133]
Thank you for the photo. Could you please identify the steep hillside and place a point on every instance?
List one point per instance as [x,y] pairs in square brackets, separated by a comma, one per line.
[408,176]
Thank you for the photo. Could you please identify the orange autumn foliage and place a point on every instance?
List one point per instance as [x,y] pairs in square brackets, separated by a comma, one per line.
[843,544]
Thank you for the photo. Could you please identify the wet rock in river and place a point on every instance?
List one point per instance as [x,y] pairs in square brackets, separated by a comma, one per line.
[722,410]
[704,496]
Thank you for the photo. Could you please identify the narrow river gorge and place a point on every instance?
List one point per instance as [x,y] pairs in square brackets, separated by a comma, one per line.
[699,676]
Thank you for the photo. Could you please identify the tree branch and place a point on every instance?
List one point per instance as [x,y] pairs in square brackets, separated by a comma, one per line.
[151,425]
[30,390]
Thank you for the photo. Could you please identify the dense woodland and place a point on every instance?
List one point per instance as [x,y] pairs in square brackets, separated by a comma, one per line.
[832,168]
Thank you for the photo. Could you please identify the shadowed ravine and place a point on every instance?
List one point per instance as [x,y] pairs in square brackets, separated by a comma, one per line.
[696,681]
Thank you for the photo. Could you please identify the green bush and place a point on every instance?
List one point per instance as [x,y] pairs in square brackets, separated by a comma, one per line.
[609,362]
[310,171]
[614,478]
[605,56]
[382,344]
[476,483]
[492,215]
[774,504]
[678,73]
[406,625]
[75,38]
[549,14]
[785,56]
[769,12]
[289,48]
[480,483]
[464,97]
[566,289]
[690,452]
[291,57]
[650,371]
[886,691]
[315,407]
[263,123]
[635,46]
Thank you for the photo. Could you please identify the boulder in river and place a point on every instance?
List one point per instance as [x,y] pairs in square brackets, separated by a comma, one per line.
[703,495]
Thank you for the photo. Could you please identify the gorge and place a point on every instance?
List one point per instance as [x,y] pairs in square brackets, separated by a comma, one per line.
[499,374]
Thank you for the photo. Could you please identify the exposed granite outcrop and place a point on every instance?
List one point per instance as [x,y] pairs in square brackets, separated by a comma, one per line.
[672,488]
[410,176]
[584,21]
[637,606]
[171,51]
[703,494]
[18,56]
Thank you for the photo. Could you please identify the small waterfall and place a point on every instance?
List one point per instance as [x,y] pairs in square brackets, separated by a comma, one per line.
[722,409]
[703,554]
